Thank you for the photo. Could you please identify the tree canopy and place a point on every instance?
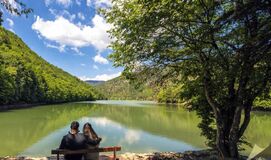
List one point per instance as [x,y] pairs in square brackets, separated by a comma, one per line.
[218,50]
[15,7]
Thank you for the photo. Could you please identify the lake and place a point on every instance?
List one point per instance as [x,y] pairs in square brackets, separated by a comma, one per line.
[137,126]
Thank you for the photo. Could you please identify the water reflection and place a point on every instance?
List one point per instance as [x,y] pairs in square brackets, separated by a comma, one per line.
[113,134]
[21,129]
[136,126]
[132,136]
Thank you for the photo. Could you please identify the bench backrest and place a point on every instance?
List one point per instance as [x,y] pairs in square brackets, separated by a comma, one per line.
[84,151]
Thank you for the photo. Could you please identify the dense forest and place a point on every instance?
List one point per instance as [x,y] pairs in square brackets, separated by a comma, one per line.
[169,92]
[27,78]
[121,88]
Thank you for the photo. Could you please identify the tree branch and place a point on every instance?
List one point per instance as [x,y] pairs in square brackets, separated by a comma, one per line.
[246,120]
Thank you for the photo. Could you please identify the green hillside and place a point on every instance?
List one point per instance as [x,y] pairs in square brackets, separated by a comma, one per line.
[27,78]
[120,88]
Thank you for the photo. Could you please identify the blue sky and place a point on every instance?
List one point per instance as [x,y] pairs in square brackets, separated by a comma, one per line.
[69,34]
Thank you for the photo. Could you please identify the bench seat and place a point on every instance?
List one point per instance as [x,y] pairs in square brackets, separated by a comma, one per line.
[113,149]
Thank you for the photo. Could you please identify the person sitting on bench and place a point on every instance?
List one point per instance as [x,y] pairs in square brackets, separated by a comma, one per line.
[76,141]
[89,132]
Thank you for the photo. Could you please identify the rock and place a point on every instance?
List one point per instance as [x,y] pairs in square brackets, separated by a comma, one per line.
[23,158]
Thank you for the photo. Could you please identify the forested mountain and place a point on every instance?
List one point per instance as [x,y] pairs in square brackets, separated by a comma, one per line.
[27,78]
[120,88]
[94,82]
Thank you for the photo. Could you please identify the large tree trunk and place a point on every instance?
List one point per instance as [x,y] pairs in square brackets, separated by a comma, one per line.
[228,149]
[227,124]
[226,140]
[230,130]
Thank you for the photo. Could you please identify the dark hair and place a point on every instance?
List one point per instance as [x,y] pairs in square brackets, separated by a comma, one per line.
[75,125]
[91,129]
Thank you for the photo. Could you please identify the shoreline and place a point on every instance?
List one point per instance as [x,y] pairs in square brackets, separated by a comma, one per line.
[30,105]
[7,107]
[261,109]
[207,154]
[19,106]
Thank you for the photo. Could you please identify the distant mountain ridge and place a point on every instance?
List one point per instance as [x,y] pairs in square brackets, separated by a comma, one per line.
[94,82]
[27,78]
[119,88]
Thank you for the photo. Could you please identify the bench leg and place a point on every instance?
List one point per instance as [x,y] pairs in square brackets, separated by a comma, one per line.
[114,156]
[57,157]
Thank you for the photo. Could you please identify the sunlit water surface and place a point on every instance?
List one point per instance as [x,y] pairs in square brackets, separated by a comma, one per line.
[136,126]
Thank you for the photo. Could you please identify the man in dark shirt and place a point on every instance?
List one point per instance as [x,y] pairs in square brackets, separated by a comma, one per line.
[76,141]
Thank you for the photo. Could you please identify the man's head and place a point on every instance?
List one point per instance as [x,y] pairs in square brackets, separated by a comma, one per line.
[74,127]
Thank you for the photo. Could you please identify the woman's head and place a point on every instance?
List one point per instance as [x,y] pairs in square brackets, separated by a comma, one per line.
[87,128]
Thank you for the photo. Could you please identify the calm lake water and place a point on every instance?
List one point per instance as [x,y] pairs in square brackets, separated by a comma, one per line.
[135,125]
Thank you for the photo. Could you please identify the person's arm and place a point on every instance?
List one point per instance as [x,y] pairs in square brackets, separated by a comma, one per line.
[93,142]
[63,143]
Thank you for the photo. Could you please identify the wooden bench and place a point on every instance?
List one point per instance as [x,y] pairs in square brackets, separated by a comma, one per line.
[84,151]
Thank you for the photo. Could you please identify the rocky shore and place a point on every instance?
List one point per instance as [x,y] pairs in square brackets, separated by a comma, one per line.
[188,155]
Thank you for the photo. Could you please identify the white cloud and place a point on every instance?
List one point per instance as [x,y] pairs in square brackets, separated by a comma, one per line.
[64,32]
[103,122]
[132,136]
[71,16]
[95,67]
[62,13]
[65,3]
[99,3]
[82,64]
[47,2]
[77,51]
[99,59]
[53,11]
[13,3]
[10,22]
[89,3]
[84,78]
[11,30]
[79,24]
[102,77]
[78,2]
[81,16]
[60,48]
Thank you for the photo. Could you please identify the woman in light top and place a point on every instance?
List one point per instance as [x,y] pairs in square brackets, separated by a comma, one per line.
[89,132]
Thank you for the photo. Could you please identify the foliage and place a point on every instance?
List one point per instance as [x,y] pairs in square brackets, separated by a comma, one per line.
[120,88]
[168,92]
[27,78]
[218,50]
[15,7]
[266,103]
[264,100]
